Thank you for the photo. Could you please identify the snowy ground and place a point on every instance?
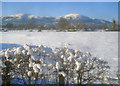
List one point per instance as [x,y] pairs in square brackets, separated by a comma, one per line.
[101,44]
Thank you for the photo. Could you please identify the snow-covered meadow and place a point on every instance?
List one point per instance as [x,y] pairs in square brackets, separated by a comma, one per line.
[100,44]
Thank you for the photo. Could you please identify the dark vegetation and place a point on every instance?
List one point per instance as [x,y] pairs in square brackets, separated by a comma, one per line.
[64,25]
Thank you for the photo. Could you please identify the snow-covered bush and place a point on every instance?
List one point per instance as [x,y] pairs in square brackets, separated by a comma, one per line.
[2,65]
[43,65]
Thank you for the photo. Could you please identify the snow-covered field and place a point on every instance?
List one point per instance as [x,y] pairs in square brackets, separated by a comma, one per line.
[101,44]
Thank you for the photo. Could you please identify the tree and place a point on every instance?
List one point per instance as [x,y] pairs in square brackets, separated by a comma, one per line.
[63,24]
[9,25]
[113,25]
[78,26]
[40,27]
[105,26]
[92,26]
[83,24]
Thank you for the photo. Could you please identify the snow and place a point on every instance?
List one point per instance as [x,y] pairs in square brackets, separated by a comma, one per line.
[62,73]
[50,62]
[77,64]
[29,73]
[57,65]
[38,66]
[73,16]
[32,16]
[17,15]
[68,16]
[70,58]
[31,64]
[100,44]
[19,50]
[35,68]
[7,54]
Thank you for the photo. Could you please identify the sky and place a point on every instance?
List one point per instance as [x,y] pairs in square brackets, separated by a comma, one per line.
[60,0]
[100,10]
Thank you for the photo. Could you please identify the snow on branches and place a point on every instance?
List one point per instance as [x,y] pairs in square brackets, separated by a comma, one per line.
[35,64]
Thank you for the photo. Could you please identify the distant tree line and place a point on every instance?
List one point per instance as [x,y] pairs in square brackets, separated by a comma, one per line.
[63,25]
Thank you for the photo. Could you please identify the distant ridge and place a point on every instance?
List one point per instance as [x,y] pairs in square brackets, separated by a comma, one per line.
[29,18]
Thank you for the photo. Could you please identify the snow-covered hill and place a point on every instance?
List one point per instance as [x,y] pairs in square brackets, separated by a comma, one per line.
[29,18]
[73,18]
[26,19]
